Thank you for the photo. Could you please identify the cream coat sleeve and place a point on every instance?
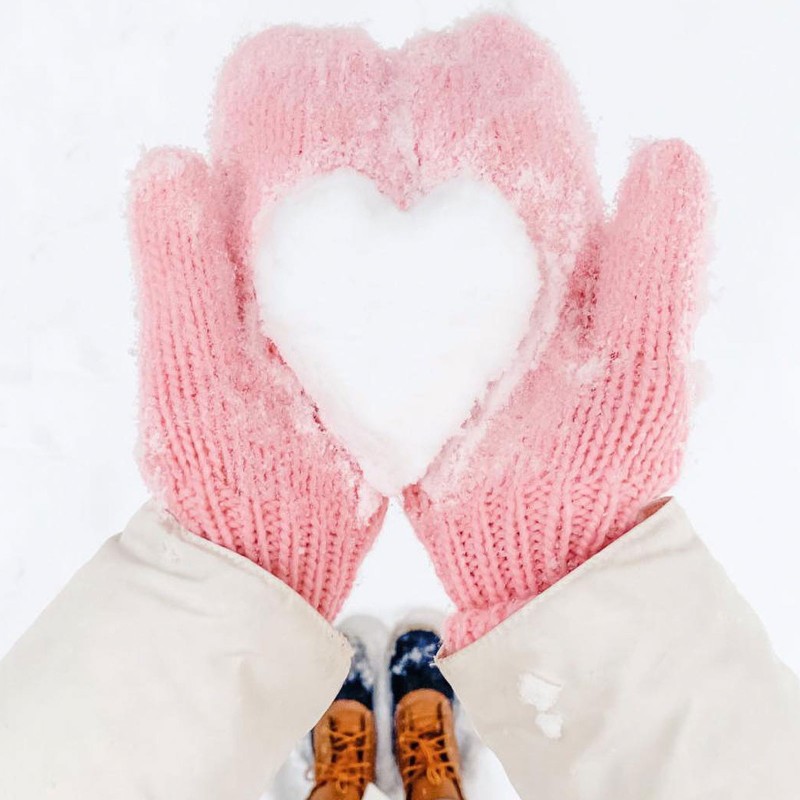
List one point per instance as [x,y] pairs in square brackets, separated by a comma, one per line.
[167,669]
[642,675]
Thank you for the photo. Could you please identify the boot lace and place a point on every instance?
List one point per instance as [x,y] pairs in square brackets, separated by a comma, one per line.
[349,765]
[424,750]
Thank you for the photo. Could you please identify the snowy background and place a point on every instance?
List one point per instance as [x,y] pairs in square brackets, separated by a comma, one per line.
[84,86]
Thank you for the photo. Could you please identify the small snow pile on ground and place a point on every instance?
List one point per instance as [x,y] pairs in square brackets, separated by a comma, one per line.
[396,329]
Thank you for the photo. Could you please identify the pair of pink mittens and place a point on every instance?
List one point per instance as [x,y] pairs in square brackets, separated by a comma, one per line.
[586,428]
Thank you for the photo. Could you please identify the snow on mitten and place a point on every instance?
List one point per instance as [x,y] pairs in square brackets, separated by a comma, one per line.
[580,437]
[230,444]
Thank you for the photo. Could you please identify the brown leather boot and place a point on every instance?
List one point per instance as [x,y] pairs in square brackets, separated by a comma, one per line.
[426,747]
[344,752]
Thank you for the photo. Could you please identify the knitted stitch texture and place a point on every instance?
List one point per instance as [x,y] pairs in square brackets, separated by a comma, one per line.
[230,443]
[595,431]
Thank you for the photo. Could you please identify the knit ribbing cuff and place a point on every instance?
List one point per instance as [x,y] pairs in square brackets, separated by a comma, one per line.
[465,627]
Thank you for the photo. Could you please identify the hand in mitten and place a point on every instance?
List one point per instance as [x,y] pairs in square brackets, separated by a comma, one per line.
[586,431]
[230,444]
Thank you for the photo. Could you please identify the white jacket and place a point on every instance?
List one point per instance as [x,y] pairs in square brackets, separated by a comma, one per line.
[172,669]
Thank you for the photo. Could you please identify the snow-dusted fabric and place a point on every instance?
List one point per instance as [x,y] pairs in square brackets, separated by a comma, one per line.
[230,443]
[554,468]
[169,668]
[642,674]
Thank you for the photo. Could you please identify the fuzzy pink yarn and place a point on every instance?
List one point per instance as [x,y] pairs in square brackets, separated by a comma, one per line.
[230,443]
[586,428]
[593,432]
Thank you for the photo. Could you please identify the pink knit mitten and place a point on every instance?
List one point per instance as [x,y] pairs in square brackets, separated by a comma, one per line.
[576,440]
[230,444]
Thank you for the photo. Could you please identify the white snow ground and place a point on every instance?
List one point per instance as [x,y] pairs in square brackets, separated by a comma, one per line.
[84,84]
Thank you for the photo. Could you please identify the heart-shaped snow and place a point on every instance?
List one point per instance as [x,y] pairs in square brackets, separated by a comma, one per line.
[395,342]
[395,320]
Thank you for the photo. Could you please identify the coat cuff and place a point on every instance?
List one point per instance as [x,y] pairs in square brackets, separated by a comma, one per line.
[642,673]
[169,667]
